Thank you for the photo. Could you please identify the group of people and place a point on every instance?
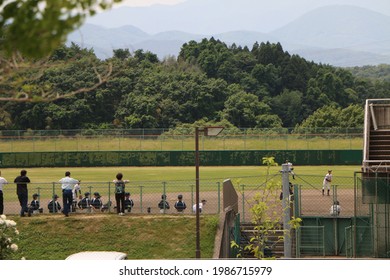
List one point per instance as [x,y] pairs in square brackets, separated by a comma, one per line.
[72,199]
[71,192]
[335,209]
[179,205]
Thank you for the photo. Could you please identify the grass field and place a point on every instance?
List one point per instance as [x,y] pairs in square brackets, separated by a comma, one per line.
[182,143]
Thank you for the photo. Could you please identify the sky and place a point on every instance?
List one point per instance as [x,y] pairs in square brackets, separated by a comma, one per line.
[377,5]
[219,16]
[143,3]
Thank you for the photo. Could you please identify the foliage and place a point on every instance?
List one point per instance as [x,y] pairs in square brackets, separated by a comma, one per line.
[31,30]
[261,87]
[266,216]
[8,236]
[269,162]
[331,116]
[379,72]
[37,21]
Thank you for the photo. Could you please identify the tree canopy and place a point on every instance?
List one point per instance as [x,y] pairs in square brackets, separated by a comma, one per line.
[259,87]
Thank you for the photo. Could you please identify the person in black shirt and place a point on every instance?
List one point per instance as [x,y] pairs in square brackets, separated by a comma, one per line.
[22,192]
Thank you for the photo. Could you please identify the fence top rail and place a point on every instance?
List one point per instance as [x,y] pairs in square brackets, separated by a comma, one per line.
[309,227]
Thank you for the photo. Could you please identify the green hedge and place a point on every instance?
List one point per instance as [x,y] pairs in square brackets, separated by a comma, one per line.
[177,158]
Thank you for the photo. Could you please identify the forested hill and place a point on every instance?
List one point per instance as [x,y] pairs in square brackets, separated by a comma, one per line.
[258,87]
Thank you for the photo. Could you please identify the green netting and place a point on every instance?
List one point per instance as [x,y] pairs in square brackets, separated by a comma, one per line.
[176,158]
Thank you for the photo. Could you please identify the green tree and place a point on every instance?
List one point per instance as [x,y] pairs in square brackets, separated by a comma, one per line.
[241,109]
[30,30]
[5,119]
[288,106]
[331,116]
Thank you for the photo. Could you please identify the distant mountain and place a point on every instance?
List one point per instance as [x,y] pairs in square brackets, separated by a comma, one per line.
[339,27]
[336,35]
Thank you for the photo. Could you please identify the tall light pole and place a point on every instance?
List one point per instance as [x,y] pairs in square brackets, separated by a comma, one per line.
[208,131]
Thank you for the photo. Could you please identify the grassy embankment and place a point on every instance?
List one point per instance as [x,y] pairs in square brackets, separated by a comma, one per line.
[46,237]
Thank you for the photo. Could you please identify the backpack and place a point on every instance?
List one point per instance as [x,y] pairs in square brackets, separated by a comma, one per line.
[119,187]
[180,205]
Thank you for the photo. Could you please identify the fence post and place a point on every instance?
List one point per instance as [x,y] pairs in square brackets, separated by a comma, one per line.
[219,196]
[140,198]
[164,192]
[286,211]
[53,193]
[243,202]
[334,190]
[297,198]
[192,196]
[109,197]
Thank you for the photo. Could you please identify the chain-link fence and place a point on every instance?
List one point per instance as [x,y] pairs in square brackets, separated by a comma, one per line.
[312,199]
[371,232]
[167,140]
[309,200]
[359,229]
[146,195]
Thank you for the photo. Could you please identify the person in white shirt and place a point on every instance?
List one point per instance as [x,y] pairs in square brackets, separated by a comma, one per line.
[201,204]
[76,194]
[290,168]
[67,196]
[335,209]
[3,181]
[327,181]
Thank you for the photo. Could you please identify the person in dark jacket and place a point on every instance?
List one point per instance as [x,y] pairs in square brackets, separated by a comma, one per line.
[129,203]
[54,206]
[34,205]
[22,191]
[180,205]
[163,204]
[96,202]
[85,202]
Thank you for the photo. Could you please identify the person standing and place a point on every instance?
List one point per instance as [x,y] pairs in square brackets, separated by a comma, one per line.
[120,193]
[3,181]
[76,193]
[290,168]
[327,181]
[22,191]
[67,194]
